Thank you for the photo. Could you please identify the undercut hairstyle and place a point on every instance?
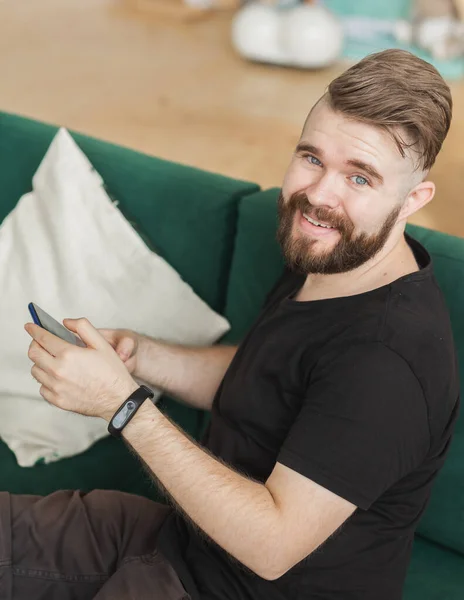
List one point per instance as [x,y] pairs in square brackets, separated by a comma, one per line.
[400,93]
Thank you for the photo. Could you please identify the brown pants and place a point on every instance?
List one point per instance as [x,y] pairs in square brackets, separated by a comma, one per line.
[74,546]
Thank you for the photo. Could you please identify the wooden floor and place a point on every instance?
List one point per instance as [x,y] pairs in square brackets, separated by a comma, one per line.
[178,91]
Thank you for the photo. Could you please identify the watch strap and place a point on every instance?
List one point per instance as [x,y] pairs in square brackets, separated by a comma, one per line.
[127,410]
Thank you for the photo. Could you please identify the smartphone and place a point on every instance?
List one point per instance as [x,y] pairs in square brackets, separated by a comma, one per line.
[41,318]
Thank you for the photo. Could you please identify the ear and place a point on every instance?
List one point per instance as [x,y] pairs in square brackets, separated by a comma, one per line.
[417,198]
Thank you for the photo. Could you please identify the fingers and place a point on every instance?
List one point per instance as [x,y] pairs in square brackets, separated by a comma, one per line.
[52,343]
[87,332]
[40,357]
[120,341]
[125,347]
[108,334]
[49,396]
[42,377]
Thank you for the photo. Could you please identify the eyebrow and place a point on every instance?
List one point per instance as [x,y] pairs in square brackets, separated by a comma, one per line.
[305,147]
[369,169]
[359,164]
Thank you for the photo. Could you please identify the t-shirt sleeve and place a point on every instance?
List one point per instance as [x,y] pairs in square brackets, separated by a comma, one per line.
[363,424]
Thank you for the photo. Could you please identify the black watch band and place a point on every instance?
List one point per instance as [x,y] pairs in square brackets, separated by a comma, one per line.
[128,409]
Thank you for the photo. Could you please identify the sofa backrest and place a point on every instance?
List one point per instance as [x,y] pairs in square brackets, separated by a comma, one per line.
[443,521]
[257,262]
[256,266]
[188,215]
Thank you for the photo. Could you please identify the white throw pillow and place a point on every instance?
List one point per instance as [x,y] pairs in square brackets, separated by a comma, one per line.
[68,248]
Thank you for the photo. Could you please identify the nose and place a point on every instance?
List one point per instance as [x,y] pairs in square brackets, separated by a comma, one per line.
[323,192]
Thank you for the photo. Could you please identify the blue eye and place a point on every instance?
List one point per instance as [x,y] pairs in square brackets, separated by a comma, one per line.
[313,160]
[359,180]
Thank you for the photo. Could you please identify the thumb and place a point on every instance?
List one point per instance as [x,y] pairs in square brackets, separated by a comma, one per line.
[125,347]
[87,332]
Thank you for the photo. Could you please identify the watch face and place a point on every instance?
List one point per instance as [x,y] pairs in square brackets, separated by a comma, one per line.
[128,409]
[120,419]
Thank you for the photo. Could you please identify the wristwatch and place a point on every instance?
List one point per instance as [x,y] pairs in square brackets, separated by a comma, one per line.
[128,409]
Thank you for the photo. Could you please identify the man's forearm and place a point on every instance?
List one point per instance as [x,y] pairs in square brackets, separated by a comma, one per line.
[237,513]
[190,374]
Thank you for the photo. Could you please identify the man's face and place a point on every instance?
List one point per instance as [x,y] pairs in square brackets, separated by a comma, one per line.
[347,175]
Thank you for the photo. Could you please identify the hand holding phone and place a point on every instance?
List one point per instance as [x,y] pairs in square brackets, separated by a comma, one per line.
[41,318]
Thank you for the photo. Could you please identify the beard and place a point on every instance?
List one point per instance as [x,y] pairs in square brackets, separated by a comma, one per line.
[348,254]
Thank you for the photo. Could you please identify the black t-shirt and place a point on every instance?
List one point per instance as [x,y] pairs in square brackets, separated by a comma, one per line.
[360,395]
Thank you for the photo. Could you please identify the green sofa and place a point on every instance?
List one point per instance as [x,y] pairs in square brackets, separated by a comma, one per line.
[219,235]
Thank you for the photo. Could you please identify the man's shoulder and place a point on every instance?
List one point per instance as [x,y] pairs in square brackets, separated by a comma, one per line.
[416,315]
[417,327]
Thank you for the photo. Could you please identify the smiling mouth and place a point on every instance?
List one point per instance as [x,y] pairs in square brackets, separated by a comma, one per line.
[317,223]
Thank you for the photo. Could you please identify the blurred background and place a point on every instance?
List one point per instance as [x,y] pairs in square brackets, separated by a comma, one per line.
[218,84]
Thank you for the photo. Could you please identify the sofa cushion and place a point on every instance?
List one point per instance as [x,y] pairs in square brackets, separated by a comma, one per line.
[101,270]
[188,214]
[435,573]
[256,266]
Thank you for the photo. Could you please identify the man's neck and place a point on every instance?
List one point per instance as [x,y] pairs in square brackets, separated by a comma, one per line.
[389,265]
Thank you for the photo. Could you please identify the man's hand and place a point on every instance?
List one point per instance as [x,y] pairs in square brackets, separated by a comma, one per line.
[126,344]
[91,381]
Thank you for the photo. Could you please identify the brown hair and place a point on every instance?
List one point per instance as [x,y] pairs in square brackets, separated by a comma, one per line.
[400,93]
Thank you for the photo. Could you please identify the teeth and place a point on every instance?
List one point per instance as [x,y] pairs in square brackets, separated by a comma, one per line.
[315,222]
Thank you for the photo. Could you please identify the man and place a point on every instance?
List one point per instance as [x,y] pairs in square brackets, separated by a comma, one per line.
[329,422]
